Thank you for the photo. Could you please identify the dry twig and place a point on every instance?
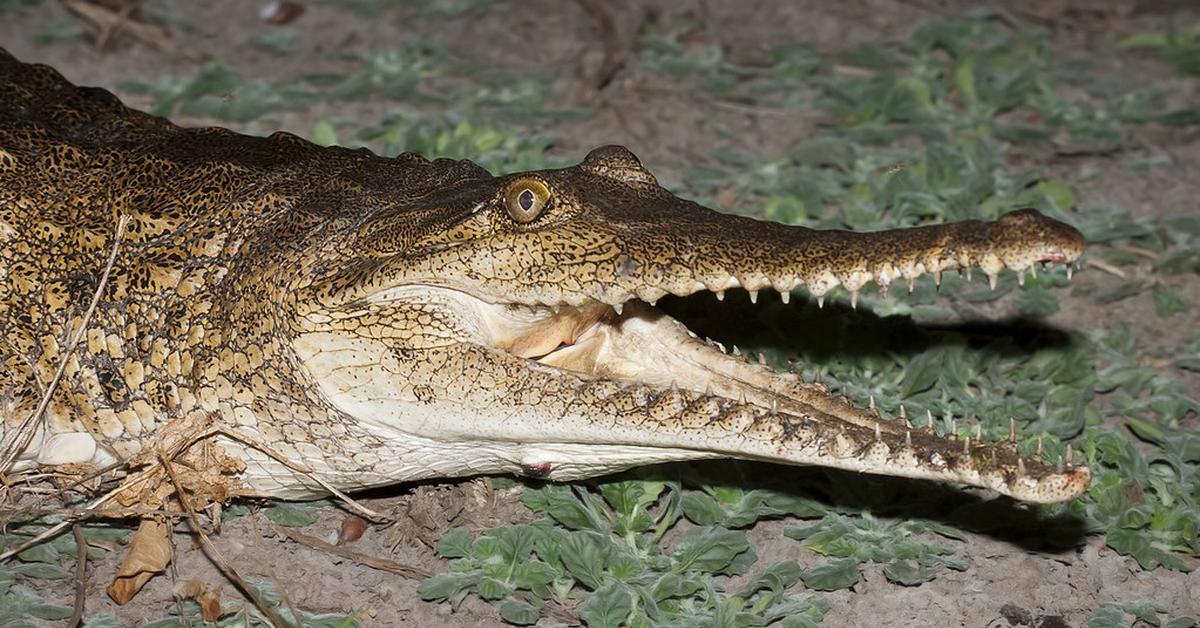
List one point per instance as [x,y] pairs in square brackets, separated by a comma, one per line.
[373,562]
[81,548]
[210,550]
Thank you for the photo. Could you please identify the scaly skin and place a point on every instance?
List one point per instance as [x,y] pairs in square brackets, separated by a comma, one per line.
[385,320]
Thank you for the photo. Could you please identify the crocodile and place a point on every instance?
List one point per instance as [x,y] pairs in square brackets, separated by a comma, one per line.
[383,320]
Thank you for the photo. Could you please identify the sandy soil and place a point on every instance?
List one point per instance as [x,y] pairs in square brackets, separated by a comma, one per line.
[670,125]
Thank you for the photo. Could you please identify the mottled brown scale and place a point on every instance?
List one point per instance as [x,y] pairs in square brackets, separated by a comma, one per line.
[384,320]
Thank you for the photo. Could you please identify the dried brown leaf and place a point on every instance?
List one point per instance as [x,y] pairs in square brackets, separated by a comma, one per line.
[148,555]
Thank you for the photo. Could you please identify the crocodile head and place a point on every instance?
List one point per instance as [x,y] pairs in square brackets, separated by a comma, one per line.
[507,324]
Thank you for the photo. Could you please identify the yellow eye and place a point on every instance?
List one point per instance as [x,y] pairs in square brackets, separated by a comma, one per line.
[525,199]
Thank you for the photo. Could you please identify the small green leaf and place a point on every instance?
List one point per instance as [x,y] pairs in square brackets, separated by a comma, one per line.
[293,514]
[777,578]
[455,543]
[701,509]
[50,611]
[1035,302]
[908,572]
[323,133]
[518,612]
[44,571]
[841,573]
[1108,616]
[1167,302]
[607,607]
[921,373]
[709,549]
[582,553]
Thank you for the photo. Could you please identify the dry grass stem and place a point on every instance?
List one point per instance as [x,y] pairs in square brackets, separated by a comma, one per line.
[210,550]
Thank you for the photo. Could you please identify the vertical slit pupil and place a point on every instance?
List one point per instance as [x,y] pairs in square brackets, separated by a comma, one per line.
[525,199]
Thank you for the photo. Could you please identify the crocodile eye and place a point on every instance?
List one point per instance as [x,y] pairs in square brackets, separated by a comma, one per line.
[525,199]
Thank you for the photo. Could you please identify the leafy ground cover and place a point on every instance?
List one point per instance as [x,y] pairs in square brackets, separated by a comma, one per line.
[965,117]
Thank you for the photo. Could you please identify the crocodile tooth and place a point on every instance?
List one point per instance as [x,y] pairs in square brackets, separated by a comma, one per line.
[736,351]
[937,278]
[720,295]
[908,438]
[929,418]
[966,445]
[854,299]
[1021,277]
[911,284]
[968,273]
[762,359]
[1033,270]
[1069,452]
[878,434]
[953,429]
[619,308]
[1020,466]
[978,431]
[785,296]
[753,296]
[1039,447]
[992,280]
[1012,430]
[1069,272]
[821,301]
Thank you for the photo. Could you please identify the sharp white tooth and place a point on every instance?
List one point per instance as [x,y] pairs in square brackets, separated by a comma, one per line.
[912,283]
[654,303]
[1020,466]
[878,434]
[720,295]
[774,406]
[854,299]
[1012,430]
[753,296]
[992,280]
[1068,272]
[1033,270]
[908,439]
[821,301]
[928,419]
[979,431]
[1069,452]
[785,296]
[1020,278]
[967,445]
[1039,447]
[708,390]
[937,278]
[736,351]
[619,308]
[871,402]
[968,273]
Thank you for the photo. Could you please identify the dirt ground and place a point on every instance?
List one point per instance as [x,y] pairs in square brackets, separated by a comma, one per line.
[670,126]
